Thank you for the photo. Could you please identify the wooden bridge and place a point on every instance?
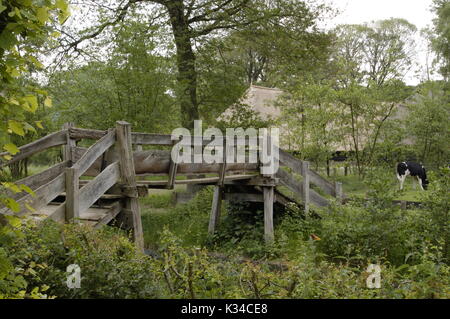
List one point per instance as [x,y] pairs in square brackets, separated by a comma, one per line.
[101,184]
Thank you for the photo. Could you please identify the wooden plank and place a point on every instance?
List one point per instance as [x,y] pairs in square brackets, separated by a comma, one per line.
[268,214]
[215,209]
[77,153]
[305,185]
[223,166]
[70,143]
[172,171]
[290,182]
[46,142]
[296,165]
[59,214]
[81,133]
[93,190]
[206,180]
[94,152]
[72,195]
[110,215]
[339,192]
[151,139]
[42,196]
[39,179]
[127,169]
[290,161]
[318,200]
[327,186]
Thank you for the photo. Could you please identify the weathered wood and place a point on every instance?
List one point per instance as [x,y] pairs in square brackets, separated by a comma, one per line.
[34,181]
[46,142]
[327,186]
[206,180]
[42,196]
[70,143]
[93,190]
[127,169]
[215,209]
[94,152]
[296,187]
[172,170]
[338,191]
[72,195]
[305,185]
[314,178]
[110,215]
[268,214]
[81,133]
[290,182]
[157,162]
[317,199]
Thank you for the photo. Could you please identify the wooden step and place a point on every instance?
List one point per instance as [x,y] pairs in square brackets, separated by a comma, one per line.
[206,180]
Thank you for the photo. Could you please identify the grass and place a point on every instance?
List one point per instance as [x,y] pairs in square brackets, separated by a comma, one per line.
[188,221]
[353,186]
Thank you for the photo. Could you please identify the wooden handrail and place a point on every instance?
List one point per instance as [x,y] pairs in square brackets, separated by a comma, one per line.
[46,142]
[94,152]
[93,190]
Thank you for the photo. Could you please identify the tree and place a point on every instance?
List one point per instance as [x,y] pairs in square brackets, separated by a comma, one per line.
[428,122]
[374,53]
[134,83]
[441,41]
[193,20]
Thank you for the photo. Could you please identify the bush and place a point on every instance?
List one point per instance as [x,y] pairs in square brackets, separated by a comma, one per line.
[110,265]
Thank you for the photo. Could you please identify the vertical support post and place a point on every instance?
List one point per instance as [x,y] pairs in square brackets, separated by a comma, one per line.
[305,183]
[215,209]
[338,191]
[72,195]
[67,149]
[223,165]
[403,205]
[124,147]
[268,214]
[172,169]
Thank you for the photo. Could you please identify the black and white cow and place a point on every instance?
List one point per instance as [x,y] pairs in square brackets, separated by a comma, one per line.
[414,169]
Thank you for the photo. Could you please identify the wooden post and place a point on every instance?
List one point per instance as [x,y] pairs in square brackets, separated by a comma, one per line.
[215,209]
[67,149]
[338,191]
[403,205]
[173,168]
[268,214]
[124,147]
[305,183]
[72,195]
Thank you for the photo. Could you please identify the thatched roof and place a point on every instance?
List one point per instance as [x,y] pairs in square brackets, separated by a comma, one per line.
[261,100]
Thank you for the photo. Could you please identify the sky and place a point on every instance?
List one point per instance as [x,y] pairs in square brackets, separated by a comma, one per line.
[415,11]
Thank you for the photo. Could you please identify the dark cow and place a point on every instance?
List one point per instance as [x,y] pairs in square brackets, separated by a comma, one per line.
[414,169]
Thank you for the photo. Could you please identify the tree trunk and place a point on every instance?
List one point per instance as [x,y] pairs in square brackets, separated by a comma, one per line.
[187,73]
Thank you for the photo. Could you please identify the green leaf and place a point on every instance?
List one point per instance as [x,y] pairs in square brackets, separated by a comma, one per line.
[13,205]
[42,15]
[62,5]
[32,100]
[16,127]
[11,148]
[48,102]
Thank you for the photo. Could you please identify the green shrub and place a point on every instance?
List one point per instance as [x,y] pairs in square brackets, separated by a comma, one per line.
[110,265]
